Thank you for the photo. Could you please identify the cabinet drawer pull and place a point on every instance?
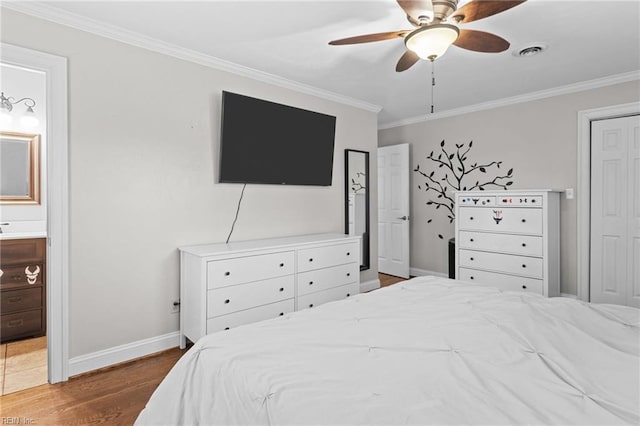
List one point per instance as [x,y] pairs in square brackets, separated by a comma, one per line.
[226,274]
[311,259]
[524,266]
[15,323]
[348,274]
[227,301]
[281,288]
[524,220]
[226,328]
[471,277]
[282,265]
[348,294]
[14,299]
[524,287]
[471,218]
[524,244]
[310,282]
[348,253]
[311,305]
[471,258]
[281,314]
[471,240]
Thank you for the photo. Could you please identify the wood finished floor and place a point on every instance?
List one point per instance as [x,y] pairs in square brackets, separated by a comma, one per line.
[113,396]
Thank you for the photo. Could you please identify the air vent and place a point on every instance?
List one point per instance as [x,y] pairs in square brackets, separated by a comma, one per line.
[531,50]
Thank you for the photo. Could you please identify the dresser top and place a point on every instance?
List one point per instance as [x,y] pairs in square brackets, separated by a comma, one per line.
[240,246]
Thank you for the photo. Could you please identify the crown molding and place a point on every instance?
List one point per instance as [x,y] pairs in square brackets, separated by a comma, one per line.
[53,14]
[542,94]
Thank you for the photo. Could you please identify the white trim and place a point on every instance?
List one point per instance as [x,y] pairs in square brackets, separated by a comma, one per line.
[369,285]
[542,94]
[55,69]
[53,14]
[570,296]
[584,184]
[117,354]
[417,272]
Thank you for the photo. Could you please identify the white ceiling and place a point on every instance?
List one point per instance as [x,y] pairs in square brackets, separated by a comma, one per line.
[586,40]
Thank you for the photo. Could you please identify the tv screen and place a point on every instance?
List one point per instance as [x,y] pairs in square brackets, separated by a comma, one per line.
[269,143]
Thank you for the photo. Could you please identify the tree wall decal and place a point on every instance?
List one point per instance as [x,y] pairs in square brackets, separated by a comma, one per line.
[454,173]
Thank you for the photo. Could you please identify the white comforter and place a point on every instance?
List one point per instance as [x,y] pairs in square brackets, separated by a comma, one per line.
[427,351]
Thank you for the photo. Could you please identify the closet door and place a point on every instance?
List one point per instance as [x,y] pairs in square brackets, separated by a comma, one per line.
[615,211]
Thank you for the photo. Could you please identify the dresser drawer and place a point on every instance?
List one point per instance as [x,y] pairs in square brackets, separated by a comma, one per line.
[19,276]
[273,310]
[502,281]
[511,264]
[222,273]
[322,279]
[320,297]
[28,250]
[323,257]
[509,243]
[20,300]
[21,324]
[235,298]
[513,220]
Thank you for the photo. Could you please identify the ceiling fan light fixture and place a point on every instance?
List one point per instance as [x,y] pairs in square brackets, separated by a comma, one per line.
[432,41]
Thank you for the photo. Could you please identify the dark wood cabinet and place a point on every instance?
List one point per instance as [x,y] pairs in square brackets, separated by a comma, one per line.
[22,288]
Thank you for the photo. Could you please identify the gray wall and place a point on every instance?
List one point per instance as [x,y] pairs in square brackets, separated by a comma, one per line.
[538,139]
[143,142]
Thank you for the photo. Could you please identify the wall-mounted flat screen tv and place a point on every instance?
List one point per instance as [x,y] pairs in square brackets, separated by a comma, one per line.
[269,143]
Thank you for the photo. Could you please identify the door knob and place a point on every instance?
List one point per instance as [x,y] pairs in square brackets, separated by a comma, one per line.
[404,218]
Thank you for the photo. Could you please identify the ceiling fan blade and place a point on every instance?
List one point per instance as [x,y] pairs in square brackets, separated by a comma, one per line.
[480,41]
[478,9]
[407,60]
[367,38]
[419,11]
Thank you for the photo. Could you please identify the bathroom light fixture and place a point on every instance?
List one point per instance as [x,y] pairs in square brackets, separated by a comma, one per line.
[28,119]
[432,41]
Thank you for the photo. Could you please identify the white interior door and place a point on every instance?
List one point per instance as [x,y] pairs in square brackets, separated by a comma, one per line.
[615,211]
[393,210]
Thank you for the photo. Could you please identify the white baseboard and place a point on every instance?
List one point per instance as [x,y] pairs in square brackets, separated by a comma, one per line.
[570,296]
[105,358]
[417,272]
[369,285]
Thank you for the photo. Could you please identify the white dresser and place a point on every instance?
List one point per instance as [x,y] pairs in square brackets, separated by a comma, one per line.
[509,239]
[227,285]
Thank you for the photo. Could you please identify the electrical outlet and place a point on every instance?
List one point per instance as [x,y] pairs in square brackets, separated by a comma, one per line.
[175,307]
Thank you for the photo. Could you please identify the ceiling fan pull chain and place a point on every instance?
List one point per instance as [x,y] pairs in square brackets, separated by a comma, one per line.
[433,83]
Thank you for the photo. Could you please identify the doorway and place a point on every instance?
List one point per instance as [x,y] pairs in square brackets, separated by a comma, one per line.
[609,205]
[57,228]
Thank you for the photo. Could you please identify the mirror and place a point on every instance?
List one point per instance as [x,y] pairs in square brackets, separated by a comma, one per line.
[19,168]
[357,199]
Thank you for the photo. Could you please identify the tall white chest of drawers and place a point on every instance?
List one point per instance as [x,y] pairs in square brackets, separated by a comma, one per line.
[509,239]
[227,285]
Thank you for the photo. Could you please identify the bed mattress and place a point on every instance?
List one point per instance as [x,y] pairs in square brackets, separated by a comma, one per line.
[425,351]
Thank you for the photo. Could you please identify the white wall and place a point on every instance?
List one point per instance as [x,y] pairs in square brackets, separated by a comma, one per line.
[143,164]
[538,139]
[20,83]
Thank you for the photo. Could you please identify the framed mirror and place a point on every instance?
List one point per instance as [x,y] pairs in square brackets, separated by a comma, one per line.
[357,200]
[19,168]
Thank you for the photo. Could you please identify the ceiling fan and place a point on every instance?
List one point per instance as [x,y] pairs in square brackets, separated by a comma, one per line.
[436,23]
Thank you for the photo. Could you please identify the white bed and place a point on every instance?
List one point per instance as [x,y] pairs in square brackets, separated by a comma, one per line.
[426,351]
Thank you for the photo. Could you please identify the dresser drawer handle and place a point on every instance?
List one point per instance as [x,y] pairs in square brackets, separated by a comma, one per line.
[348,294]
[524,220]
[15,323]
[14,299]
[471,218]
[282,265]
[226,328]
[226,274]
[471,277]
[310,282]
[524,244]
[311,305]
[471,240]
[311,259]
[348,274]
[348,253]
[524,287]
[524,266]
[281,288]
[281,314]
[227,301]
[471,258]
